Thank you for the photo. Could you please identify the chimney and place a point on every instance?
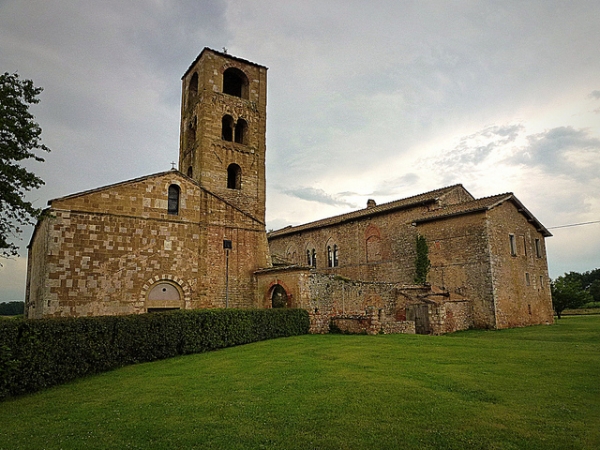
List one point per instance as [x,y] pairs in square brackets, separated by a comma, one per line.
[371,203]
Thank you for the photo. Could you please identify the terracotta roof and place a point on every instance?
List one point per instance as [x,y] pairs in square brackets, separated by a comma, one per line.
[483,204]
[224,55]
[409,202]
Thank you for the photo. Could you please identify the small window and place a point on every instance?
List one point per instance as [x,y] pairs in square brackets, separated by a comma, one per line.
[513,244]
[241,128]
[524,246]
[191,136]
[541,282]
[329,257]
[235,82]
[527,279]
[538,248]
[227,128]
[189,172]
[314,258]
[234,177]
[335,256]
[308,258]
[194,84]
[173,206]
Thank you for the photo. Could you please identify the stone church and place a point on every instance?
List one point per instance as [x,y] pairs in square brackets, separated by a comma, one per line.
[195,238]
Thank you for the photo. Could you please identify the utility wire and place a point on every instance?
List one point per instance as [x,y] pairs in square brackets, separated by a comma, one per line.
[572,225]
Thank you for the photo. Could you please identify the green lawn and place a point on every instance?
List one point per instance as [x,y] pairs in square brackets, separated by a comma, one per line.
[529,388]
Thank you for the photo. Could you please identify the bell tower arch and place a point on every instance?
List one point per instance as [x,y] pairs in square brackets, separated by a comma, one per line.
[223,128]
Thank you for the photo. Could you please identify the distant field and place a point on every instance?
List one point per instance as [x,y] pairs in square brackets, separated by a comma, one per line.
[529,388]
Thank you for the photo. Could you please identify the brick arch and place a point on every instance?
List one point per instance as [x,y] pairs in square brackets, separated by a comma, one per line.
[178,282]
[371,231]
[269,293]
[373,247]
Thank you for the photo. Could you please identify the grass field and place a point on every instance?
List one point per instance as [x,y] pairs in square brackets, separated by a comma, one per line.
[529,388]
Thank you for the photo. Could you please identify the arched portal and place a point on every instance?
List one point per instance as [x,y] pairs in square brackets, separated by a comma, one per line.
[164,296]
[279,297]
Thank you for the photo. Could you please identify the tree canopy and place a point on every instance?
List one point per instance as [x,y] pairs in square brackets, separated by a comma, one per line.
[20,137]
[573,290]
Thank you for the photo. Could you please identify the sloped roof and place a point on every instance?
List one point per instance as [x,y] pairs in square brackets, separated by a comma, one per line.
[120,183]
[405,203]
[154,175]
[476,205]
[224,55]
[483,204]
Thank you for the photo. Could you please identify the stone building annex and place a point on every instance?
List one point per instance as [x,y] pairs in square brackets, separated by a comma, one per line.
[195,238]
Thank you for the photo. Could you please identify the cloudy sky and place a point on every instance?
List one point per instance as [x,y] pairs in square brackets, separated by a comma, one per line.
[374,99]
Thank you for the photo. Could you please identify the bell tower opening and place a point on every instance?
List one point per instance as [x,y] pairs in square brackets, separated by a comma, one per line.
[235,82]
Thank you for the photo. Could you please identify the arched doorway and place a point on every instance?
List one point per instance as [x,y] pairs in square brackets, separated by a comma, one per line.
[163,296]
[279,297]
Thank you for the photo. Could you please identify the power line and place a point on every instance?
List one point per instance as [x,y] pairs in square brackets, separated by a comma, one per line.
[573,225]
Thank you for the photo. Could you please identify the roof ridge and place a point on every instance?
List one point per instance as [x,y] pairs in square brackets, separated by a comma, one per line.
[406,201]
[119,183]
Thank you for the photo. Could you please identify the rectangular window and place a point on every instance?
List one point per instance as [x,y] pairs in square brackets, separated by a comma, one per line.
[541,281]
[527,279]
[513,244]
[538,248]
[524,246]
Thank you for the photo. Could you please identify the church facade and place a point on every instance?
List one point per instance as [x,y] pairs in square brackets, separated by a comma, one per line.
[195,238]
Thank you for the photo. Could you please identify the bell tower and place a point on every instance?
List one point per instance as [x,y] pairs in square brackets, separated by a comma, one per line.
[223,126]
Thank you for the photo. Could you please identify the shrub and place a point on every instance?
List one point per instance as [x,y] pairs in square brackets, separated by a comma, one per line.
[35,354]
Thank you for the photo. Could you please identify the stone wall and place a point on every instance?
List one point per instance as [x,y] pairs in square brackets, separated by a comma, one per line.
[521,283]
[86,260]
[460,261]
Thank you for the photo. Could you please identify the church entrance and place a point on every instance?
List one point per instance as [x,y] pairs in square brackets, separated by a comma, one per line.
[279,297]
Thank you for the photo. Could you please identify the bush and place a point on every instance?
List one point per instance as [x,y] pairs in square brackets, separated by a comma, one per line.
[35,354]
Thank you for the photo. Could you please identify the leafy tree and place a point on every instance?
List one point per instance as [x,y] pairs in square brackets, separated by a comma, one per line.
[568,292]
[19,138]
[591,283]
[422,263]
[12,308]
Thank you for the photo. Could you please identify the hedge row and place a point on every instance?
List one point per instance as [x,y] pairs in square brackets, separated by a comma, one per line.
[35,354]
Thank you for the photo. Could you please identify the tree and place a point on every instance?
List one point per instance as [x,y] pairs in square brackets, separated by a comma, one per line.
[12,308]
[568,292]
[19,138]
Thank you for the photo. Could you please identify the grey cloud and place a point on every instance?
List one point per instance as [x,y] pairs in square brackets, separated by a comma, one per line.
[595,94]
[550,151]
[394,186]
[470,151]
[317,195]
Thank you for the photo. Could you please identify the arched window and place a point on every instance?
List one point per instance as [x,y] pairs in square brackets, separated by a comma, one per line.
[311,256]
[235,82]
[227,128]
[234,177]
[193,87]
[241,128]
[335,256]
[191,135]
[329,257]
[173,204]
[189,172]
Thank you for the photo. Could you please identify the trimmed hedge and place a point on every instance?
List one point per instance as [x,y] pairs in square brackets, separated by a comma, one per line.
[36,354]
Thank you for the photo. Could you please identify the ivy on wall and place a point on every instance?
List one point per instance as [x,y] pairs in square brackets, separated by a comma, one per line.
[422,263]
